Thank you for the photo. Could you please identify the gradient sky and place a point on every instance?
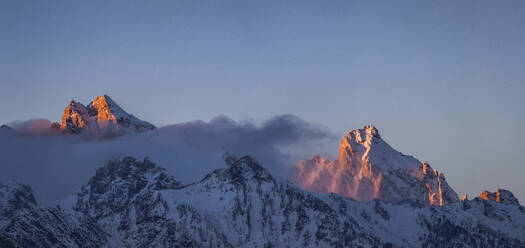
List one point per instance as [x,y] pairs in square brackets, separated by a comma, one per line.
[442,80]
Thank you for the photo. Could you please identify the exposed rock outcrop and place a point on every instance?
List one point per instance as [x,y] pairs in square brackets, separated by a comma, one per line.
[502,196]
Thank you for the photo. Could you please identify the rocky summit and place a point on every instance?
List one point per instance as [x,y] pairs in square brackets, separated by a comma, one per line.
[100,117]
[368,168]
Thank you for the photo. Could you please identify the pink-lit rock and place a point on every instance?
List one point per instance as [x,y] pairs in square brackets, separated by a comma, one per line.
[102,116]
[368,168]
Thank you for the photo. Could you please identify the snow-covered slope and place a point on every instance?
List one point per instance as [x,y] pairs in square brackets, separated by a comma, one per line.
[52,227]
[24,224]
[368,168]
[137,203]
[241,206]
[125,197]
[132,203]
[102,117]
[14,198]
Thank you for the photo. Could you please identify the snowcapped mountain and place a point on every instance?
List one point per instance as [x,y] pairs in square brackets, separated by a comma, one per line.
[132,203]
[368,168]
[101,116]
[128,199]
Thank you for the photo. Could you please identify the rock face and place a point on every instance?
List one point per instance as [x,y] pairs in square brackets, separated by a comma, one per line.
[102,116]
[75,118]
[14,198]
[503,196]
[24,224]
[52,227]
[123,198]
[368,168]
[132,203]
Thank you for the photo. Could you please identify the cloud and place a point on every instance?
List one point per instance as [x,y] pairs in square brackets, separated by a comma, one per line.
[57,166]
[33,126]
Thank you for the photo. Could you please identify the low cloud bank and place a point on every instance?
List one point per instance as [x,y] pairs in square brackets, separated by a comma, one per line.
[56,166]
[33,126]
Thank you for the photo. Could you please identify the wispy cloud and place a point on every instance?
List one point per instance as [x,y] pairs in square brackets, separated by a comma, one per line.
[56,166]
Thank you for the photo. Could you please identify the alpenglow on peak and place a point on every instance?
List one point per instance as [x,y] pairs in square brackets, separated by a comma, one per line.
[101,116]
[369,168]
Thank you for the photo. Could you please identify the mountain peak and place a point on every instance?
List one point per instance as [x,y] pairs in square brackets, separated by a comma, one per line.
[104,97]
[365,145]
[103,101]
[372,130]
[75,118]
[241,170]
[362,135]
[132,170]
[118,182]
[245,168]
[107,112]
[427,170]
[102,114]
[369,168]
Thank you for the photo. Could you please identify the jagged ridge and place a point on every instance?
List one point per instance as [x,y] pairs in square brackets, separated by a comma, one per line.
[131,203]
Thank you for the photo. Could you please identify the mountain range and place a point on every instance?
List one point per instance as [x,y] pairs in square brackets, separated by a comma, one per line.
[133,203]
[370,196]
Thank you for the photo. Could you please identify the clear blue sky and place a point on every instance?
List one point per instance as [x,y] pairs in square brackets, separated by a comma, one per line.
[442,80]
